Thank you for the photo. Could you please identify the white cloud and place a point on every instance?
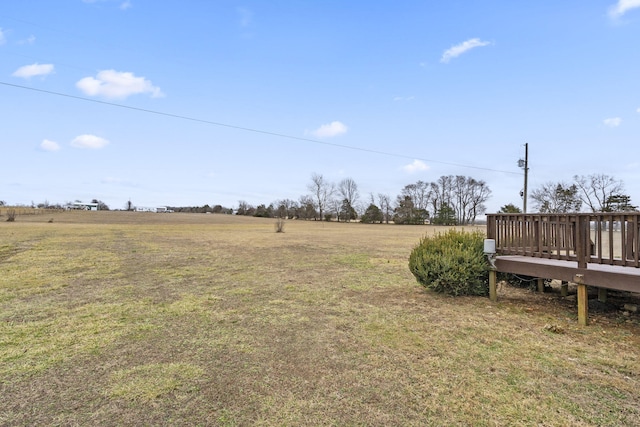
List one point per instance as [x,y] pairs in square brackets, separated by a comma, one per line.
[638,110]
[48,145]
[3,39]
[125,5]
[416,166]
[89,141]
[622,7]
[612,122]
[117,85]
[403,98]
[461,48]
[28,71]
[330,130]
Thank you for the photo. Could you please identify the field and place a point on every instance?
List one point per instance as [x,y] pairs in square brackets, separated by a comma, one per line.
[116,318]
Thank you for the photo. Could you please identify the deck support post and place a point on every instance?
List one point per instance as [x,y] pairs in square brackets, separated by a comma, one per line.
[564,288]
[541,285]
[602,295]
[583,300]
[493,291]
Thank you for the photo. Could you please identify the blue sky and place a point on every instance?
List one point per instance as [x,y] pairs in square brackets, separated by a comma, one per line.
[212,102]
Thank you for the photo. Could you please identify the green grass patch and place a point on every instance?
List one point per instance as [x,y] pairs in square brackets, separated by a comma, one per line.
[152,381]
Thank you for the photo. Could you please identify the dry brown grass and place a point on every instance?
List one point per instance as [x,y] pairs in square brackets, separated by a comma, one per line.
[120,318]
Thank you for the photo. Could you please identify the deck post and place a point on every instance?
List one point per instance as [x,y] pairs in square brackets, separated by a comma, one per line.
[493,291]
[583,300]
[564,289]
[540,285]
[602,294]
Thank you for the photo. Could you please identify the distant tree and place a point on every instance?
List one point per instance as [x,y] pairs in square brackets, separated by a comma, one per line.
[596,189]
[129,205]
[333,208]
[245,208]
[403,212]
[420,194]
[217,209]
[481,193]
[446,216]
[306,208]
[372,215]
[557,198]
[347,212]
[619,203]
[321,190]
[443,194]
[285,208]
[478,193]
[385,206]
[407,213]
[263,211]
[280,211]
[510,208]
[348,189]
[3,203]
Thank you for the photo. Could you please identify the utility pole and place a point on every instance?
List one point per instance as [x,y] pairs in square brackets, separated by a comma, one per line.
[525,165]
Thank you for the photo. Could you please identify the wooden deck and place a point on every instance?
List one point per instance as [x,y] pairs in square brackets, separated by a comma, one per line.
[599,275]
[600,250]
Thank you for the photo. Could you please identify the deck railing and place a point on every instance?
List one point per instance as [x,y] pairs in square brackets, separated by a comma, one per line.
[600,238]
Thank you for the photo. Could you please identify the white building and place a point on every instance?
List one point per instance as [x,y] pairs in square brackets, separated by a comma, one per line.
[82,206]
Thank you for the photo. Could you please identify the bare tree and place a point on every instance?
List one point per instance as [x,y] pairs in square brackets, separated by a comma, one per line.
[322,190]
[306,208]
[480,193]
[285,208]
[460,189]
[443,193]
[557,198]
[349,191]
[384,200]
[451,199]
[436,199]
[597,189]
[420,194]
[245,208]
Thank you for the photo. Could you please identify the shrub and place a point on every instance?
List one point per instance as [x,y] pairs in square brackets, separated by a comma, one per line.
[280,225]
[11,215]
[452,263]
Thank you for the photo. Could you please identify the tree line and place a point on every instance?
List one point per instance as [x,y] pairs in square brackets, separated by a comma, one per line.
[595,192]
[451,200]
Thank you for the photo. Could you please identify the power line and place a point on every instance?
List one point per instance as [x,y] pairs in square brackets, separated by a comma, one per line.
[248,129]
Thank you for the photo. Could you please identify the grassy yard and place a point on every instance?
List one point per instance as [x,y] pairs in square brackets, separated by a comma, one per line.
[115,318]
